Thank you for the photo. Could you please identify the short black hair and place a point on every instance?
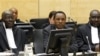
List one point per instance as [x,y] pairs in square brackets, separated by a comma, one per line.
[51,14]
[59,12]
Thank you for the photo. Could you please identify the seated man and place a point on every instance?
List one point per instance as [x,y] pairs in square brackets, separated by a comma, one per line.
[11,38]
[15,15]
[88,35]
[59,23]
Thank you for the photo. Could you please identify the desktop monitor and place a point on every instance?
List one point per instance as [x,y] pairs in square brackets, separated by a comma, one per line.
[72,24]
[59,39]
[39,22]
[27,28]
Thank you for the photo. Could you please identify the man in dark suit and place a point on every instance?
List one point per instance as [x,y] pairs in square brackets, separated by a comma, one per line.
[88,35]
[59,23]
[15,15]
[11,38]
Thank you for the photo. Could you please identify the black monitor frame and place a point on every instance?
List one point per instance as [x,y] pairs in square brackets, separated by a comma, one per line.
[39,22]
[27,28]
[56,34]
[24,25]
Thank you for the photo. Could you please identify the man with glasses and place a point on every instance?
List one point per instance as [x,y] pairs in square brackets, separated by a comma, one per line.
[88,35]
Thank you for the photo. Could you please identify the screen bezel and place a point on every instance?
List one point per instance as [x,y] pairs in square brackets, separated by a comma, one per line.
[52,40]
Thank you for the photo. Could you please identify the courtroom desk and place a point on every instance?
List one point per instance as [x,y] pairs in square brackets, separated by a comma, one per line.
[98,54]
[25,54]
[86,54]
[44,54]
[40,54]
[69,54]
[6,54]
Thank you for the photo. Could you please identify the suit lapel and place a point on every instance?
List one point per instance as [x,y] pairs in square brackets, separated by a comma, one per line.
[99,33]
[3,32]
[14,32]
[89,33]
[16,36]
[4,37]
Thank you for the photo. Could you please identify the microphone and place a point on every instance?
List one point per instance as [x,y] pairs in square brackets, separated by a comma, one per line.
[27,21]
[70,19]
[90,49]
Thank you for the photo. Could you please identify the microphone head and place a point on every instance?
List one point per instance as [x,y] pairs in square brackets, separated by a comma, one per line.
[87,37]
[68,19]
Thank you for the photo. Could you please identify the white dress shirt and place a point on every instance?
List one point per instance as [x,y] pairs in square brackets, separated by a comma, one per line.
[94,35]
[10,38]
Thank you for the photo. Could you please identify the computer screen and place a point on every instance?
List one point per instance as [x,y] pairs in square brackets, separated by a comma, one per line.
[27,28]
[59,39]
[39,22]
[72,24]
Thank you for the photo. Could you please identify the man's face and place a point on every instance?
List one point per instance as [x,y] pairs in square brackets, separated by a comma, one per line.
[95,18]
[15,14]
[60,20]
[8,20]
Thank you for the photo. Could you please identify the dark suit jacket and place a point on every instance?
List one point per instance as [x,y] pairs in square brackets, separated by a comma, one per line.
[19,37]
[82,32]
[73,44]
[45,25]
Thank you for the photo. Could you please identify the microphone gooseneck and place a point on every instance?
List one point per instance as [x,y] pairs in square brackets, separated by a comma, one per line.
[90,49]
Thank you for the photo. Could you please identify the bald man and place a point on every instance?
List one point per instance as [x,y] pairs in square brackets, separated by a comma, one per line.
[88,35]
[15,15]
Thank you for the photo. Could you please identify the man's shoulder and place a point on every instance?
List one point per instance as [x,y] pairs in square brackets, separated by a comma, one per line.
[84,27]
[1,24]
[48,27]
[45,25]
